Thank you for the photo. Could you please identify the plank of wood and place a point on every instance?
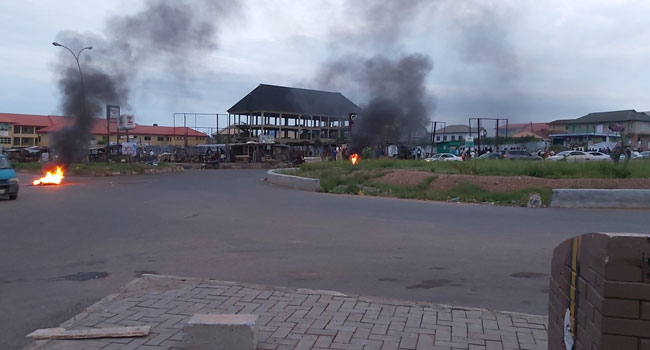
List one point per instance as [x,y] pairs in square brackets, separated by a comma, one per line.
[90,333]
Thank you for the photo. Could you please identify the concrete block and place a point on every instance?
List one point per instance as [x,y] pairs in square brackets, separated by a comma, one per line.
[600,198]
[221,332]
[296,182]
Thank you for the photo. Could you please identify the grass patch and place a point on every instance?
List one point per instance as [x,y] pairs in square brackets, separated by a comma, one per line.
[543,169]
[343,177]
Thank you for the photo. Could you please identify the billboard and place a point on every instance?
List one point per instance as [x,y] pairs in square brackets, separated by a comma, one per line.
[112,112]
[126,122]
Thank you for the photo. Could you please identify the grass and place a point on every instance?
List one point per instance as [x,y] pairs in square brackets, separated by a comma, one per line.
[94,168]
[342,177]
[542,169]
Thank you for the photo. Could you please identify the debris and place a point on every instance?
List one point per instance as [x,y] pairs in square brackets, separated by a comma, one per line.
[534,200]
[90,333]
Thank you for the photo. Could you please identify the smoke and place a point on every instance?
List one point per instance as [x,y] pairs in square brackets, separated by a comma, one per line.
[393,86]
[397,105]
[172,33]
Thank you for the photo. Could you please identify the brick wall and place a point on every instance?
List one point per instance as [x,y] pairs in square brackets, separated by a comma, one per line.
[603,280]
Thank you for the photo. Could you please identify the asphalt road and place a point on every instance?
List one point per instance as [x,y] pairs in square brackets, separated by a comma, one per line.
[230,225]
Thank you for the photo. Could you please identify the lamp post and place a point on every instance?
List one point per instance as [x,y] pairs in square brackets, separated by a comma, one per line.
[81,76]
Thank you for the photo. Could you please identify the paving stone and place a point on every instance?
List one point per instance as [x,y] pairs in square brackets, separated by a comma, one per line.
[304,319]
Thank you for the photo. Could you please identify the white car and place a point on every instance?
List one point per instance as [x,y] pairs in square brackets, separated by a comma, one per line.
[635,155]
[645,154]
[599,156]
[444,157]
[575,156]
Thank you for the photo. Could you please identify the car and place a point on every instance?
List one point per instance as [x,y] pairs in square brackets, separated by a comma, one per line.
[645,154]
[635,155]
[491,155]
[444,157]
[8,179]
[575,156]
[519,155]
[599,156]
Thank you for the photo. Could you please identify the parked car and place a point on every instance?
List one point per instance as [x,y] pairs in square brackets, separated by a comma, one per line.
[635,155]
[520,155]
[8,179]
[444,157]
[575,156]
[645,154]
[599,156]
[491,155]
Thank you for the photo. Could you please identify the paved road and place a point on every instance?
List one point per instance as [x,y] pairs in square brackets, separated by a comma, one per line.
[229,225]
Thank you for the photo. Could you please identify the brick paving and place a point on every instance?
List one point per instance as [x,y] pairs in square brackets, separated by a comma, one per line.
[298,319]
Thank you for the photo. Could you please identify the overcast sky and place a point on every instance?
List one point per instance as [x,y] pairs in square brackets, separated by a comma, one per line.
[522,60]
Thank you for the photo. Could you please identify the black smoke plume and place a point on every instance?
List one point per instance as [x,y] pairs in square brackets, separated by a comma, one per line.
[172,33]
[396,99]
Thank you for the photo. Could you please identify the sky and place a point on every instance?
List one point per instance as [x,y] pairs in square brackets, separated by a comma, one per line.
[528,61]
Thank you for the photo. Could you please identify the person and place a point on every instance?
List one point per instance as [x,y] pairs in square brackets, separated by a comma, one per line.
[334,153]
[419,153]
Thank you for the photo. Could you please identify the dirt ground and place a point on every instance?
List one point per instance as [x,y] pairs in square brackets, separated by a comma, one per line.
[505,183]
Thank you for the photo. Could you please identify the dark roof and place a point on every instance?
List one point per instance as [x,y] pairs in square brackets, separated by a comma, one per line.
[271,98]
[614,116]
[458,129]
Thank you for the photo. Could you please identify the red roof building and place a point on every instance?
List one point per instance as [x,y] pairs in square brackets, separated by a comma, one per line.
[24,130]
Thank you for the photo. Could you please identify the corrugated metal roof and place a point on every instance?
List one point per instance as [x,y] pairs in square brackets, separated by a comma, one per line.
[612,117]
[273,98]
[457,129]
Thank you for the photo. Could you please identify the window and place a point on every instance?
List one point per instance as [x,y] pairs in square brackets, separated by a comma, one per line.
[444,138]
[437,138]
[16,141]
[453,138]
[16,129]
[147,138]
[169,138]
[5,127]
[5,140]
[160,138]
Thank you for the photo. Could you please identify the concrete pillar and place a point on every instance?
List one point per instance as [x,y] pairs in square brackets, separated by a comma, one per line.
[600,293]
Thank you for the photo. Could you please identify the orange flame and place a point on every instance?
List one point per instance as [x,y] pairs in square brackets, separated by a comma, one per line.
[51,178]
[354,158]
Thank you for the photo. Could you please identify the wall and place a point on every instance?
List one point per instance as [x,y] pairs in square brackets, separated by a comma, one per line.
[600,292]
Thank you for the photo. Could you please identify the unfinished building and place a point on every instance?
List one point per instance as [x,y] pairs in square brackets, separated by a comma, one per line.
[291,116]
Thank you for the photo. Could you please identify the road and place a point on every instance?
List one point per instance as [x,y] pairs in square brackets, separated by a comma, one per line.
[230,225]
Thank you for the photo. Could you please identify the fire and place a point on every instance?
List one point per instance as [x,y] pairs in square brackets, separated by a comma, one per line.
[51,178]
[354,158]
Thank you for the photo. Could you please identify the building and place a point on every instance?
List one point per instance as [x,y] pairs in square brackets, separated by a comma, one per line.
[25,130]
[291,116]
[21,130]
[605,128]
[540,131]
[457,133]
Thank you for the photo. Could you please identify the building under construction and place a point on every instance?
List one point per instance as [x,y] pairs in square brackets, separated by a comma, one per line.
[290,116]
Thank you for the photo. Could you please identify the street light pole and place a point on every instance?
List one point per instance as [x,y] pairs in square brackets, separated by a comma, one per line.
[81,76]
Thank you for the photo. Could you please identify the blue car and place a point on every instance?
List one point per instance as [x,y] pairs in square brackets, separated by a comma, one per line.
[8,179]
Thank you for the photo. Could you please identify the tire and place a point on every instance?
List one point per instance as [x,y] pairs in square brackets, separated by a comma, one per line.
[13,196]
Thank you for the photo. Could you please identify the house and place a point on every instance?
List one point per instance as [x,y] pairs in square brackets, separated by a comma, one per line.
[21,130]
[26,130]
[606,128]
[457,133]
[539,131]
[291,116]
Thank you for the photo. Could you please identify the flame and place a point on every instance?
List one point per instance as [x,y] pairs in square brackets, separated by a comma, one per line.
[53,178]
[354,158]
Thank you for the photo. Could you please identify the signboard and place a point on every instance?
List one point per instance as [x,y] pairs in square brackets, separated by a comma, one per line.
[469,142]
[4,133]
[112,112]
[129,149]
[126,122]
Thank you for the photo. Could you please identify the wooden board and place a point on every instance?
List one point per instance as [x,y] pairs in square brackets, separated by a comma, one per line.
[90,333]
